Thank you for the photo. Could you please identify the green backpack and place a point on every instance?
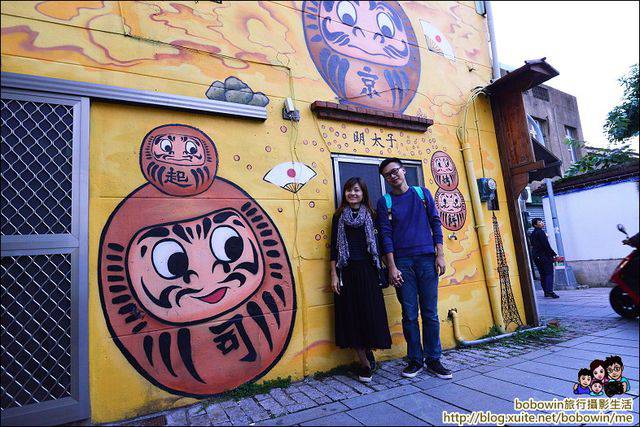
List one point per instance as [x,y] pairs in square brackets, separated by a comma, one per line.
[416,188]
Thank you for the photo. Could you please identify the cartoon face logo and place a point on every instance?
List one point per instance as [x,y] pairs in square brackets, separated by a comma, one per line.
[201,268]
[444,171]
[366,51]
[197,292]
[452,207]
[178,160]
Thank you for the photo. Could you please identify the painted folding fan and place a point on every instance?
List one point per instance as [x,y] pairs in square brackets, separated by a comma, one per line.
[291,176]
[436,41]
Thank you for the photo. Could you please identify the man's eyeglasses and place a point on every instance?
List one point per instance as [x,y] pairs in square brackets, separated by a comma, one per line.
[392,172]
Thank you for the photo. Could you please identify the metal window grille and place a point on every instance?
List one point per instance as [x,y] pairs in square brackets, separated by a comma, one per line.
[43,257]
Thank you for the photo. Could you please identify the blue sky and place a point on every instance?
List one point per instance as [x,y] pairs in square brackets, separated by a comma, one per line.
[592,44]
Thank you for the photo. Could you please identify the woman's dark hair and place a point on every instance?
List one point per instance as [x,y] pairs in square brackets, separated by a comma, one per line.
[348,185]
[597,363]
[534,221]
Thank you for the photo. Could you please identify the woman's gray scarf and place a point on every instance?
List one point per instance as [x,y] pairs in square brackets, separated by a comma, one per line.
[363,218]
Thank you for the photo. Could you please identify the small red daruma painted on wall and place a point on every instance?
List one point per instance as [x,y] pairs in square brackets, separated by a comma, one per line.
[444,171]
[178,160]
[452,207]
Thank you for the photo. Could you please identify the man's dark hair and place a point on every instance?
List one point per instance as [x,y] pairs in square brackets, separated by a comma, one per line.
[583,372]
[535,221]
[385,162]
[611,360]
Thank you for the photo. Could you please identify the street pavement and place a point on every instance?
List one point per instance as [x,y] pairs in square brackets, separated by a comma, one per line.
[484,379]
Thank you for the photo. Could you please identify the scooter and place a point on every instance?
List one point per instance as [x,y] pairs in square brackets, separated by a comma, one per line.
[624,297]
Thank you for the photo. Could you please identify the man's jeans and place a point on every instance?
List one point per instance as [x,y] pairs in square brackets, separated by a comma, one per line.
[420,284]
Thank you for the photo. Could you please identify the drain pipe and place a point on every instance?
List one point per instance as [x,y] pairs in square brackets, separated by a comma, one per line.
[484,236]
[453,315]
[495,65]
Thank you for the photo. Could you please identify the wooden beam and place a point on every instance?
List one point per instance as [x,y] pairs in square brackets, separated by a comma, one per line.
[528,167]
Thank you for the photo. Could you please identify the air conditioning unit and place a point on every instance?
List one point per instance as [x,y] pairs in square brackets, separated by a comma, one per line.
[526,194]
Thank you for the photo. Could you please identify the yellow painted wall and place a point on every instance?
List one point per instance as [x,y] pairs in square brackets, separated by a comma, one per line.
[181,48]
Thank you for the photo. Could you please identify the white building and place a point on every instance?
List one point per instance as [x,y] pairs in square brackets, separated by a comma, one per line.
[589,208]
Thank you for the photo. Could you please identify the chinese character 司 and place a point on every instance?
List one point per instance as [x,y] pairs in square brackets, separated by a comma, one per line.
[228,341]
[369,81]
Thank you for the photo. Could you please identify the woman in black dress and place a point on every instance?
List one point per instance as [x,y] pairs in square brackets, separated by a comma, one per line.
[360,315]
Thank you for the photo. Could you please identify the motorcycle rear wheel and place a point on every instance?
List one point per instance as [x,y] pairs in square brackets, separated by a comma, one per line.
[622,303]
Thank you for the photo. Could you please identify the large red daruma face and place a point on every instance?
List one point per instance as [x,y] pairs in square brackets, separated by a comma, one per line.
[444,171]
[189,271]
[178,160]
[197,293]
[452,207]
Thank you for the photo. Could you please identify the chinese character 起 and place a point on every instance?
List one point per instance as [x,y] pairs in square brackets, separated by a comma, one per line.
[176,176]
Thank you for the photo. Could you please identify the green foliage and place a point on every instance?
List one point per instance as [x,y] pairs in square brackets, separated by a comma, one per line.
[621,124]
[601,160]
[251,389]
[494,331]
[522,336]
[622,120]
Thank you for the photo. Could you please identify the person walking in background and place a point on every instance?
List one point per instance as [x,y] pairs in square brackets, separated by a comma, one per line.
[543,256]
[360,314]
[411,239]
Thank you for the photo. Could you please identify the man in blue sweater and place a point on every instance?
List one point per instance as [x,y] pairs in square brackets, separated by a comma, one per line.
[411,240]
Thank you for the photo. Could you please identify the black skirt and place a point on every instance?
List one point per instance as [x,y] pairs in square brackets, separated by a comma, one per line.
[361,318]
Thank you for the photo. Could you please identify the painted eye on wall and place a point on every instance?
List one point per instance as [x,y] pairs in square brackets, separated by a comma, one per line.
[226,244]
[190,147]
[386,25]
[165,145]
[170,259]
[347,13]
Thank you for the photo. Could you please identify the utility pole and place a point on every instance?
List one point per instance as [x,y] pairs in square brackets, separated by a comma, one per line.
[566,275]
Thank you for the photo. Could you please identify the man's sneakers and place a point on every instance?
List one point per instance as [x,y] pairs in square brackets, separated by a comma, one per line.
[412,369]
[364,374]
[435,367]
[551,295]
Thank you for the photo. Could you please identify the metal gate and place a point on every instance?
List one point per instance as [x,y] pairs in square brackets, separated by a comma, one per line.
[44,258]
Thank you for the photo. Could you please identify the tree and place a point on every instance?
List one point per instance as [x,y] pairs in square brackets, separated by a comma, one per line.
[620,126]
[622,121]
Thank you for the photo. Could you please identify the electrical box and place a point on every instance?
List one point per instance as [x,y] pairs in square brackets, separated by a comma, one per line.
[487,188]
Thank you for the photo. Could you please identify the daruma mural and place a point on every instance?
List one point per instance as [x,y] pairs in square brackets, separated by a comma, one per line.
[191,287]
[197,291]
[451,204]
[367,52]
